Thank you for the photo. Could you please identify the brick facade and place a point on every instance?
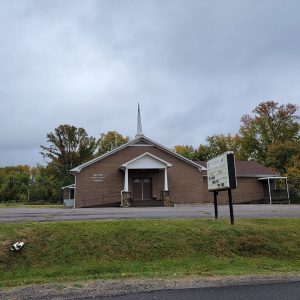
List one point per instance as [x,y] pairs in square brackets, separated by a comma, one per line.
[101,183]
[248,189]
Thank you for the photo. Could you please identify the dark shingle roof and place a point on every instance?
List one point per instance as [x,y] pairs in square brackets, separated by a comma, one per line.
[248,169]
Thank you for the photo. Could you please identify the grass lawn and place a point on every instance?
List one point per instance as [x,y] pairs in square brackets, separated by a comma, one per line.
[15,205]
[69,251]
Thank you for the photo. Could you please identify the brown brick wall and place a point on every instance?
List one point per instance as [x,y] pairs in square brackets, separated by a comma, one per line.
[66,194]
[185,181]
[247,189]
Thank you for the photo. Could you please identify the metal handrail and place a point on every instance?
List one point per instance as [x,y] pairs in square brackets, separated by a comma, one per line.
[276,195]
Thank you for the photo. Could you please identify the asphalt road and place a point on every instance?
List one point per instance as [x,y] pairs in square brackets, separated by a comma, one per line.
[192,211]
[275,291]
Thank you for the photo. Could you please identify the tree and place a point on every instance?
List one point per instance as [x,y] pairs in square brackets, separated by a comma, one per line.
[282,155]
[45,186]
[14,183]
[219,143]
[216,145]
[109,141]
[69,147]
[293,174]
[271,123]
[203,153]
[186,151]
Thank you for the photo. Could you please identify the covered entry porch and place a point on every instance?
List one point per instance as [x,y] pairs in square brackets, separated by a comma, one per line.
[146,182]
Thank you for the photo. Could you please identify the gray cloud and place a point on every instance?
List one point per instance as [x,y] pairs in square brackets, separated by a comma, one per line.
[196,67]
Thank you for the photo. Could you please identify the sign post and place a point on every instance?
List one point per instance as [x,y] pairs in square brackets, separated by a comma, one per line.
[221,177]
[216,204]
[230,207]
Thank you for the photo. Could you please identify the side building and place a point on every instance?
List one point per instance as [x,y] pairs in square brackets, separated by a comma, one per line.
[255,184]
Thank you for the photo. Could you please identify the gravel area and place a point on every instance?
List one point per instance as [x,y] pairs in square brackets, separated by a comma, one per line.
[98,288]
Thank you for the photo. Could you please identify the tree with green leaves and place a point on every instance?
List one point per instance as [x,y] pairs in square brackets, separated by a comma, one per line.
[293,174]
[271,123]
[220,143]
[110,140]
[14,183]
[186,151]
[45,186]
[68,147]
[282,155]
[216,145]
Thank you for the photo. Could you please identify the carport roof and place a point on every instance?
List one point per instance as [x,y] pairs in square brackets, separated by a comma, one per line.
[71,186]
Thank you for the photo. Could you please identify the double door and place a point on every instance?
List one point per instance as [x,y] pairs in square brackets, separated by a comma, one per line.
[142,189]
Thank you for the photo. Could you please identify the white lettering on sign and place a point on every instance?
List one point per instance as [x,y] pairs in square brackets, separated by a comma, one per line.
[217,173]
[97,177]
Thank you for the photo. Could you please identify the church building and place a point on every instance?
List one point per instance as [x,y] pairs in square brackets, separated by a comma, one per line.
[146,173]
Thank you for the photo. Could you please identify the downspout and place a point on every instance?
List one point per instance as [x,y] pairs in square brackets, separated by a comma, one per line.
[270,196]
[125,184]
[287,190]
[75,193]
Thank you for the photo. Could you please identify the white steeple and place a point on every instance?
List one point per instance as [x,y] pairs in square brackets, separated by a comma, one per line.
[139,131]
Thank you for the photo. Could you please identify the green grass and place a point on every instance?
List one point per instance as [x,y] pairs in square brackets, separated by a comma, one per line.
[29,205]
[72,251]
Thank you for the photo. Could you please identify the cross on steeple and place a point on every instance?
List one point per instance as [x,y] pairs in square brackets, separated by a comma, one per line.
[139,131]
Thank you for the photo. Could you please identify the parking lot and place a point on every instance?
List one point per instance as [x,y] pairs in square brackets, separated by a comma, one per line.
[182,211]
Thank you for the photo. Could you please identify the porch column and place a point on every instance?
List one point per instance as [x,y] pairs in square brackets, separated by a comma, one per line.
[270,196]
[166,187]
[287,190]
[126,180]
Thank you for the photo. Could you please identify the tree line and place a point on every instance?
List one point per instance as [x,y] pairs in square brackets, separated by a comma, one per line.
[67,147]
[270,136]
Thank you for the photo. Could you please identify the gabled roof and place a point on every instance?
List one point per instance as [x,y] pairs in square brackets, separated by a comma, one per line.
[161,162]
[132,142]
[249,169]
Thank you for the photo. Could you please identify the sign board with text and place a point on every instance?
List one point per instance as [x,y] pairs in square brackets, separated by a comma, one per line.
[221,172]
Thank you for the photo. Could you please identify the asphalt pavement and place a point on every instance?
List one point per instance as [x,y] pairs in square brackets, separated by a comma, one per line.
[194,287]
[181,211]
[275,291]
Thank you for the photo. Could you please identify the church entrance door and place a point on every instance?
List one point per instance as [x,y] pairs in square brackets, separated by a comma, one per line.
[142,189]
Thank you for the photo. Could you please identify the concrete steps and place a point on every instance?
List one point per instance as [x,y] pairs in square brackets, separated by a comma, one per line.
[143,203]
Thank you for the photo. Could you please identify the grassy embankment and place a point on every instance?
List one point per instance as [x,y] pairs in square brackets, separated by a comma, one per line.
[71,251]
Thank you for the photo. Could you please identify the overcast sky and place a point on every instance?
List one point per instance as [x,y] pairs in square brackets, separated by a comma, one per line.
[195,67]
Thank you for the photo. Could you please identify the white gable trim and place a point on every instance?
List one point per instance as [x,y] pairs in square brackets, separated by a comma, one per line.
[140,145]
[79,168]
[141,162]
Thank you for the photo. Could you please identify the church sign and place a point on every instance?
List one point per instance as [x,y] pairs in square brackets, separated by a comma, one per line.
[221,172]
[97,177]
[221,177]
